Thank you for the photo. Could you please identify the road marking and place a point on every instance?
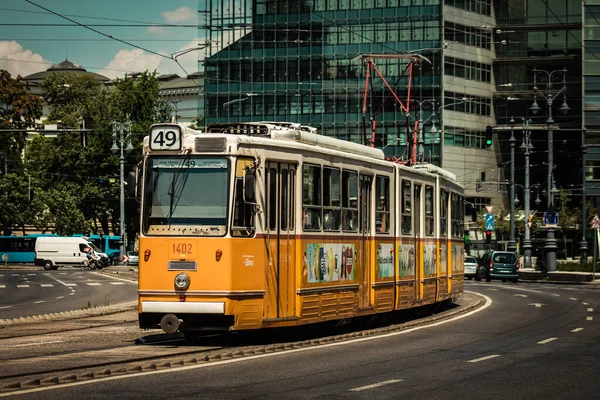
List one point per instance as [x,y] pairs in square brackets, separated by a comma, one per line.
[94,284]
[484,358]
[537,305]
[38,343]
[547,340]
[3,286]
[573,298]
[30,274]
[117,283]
[39,301]
[47,285]
[577,330]
[71,294]
[359,389]
[3,307]
[585,303]
[60,297]
[492,290]
[590,310]
[520,295]
[69,284]
[556,294]
[589,318]
[22,285]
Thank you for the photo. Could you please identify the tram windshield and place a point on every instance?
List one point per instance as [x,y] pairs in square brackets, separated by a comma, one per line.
[186,195]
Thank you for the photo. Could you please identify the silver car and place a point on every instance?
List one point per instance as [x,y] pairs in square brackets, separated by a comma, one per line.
[470,267]
[132,258]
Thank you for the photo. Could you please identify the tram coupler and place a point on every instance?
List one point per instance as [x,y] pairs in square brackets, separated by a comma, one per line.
[170,323]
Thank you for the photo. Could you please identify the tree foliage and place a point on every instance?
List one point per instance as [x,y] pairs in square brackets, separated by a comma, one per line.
[75,182]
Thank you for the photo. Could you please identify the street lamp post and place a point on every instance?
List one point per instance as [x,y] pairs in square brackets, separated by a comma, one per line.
[550,94]
[121,138]
[420,137]
[511,243]
[526,146]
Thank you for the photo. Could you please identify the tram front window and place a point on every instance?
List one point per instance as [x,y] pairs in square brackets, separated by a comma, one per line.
[186,196]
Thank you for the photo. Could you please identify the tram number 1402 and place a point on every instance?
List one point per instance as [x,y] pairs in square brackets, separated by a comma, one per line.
[165,137]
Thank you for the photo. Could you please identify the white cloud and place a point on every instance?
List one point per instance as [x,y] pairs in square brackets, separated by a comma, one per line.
[19,61]
[135,60]
[182,14]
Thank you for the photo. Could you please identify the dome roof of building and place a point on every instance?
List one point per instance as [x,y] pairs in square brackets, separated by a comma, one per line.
[64,67]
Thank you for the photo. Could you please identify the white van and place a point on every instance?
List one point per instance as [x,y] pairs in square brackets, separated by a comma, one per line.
[54,251]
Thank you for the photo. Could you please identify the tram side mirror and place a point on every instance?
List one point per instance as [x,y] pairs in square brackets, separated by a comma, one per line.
[132,187]
[249,182]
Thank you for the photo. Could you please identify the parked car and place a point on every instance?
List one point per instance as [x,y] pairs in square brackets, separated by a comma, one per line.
[503,265]
[470,267]
[132,258]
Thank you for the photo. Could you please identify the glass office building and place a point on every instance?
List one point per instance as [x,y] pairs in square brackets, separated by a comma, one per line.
[300,61]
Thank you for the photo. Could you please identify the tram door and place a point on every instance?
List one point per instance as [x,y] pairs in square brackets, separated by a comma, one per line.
[280,239]
[365,231]
[418,247]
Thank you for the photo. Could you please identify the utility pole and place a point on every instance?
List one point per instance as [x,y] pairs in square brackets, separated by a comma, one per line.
[511,243]
[121,135]
[583,249]
[526,146]
[550,94]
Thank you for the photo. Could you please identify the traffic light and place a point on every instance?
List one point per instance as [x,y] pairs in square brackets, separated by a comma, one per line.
[488,237]
[488,135]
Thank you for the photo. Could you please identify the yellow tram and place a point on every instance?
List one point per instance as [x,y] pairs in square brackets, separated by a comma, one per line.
[258,225]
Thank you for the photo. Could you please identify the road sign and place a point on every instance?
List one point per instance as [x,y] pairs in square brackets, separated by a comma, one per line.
[489,209]
[551,218]
[595,224]
[489,222]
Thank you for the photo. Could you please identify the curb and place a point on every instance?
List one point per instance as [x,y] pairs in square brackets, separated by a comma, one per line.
[65,315]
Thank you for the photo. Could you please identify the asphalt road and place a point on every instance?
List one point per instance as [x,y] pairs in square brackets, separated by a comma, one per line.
[29,292]
[527,341]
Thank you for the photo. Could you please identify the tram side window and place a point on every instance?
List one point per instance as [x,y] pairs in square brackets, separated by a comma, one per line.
[429,211]
[331,199]
[243,221]
[382,211]
[444,213]
[311,197]
[349,201]
[406,207]
[272,196]
[457,213]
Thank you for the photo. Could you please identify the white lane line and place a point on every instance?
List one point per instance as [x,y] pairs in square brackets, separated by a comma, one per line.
[590,310]
[2,286]
[71,294]
[492,290]
[94,284]
[573,298]
[47,285]
[39,301]
[484,358]
[3,307]
[38,343]
[547,340]
[117,283]
[69,284]
[556,294]
[585,303]
[520,295]
[59,297]
[30,274]
[15,275]
[22,285]
[577,330]
[589,318]
[375,385]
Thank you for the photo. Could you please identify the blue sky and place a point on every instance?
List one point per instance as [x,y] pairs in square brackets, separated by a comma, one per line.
[30,43]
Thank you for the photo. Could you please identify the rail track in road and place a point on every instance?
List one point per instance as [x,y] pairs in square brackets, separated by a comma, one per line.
[39,366]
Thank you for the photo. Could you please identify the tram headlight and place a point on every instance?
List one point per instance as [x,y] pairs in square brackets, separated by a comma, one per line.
[182,281]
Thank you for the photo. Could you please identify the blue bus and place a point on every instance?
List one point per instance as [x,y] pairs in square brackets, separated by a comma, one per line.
[21,249]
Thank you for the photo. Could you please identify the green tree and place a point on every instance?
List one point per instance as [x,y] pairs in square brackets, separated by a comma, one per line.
[19,110]
[568,216]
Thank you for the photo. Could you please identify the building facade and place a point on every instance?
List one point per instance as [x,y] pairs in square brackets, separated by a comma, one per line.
[284,60]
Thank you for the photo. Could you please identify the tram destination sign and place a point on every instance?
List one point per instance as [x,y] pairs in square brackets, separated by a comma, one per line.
[165,137]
